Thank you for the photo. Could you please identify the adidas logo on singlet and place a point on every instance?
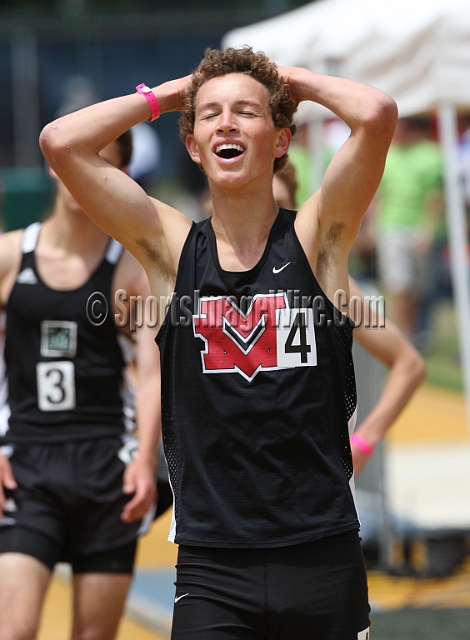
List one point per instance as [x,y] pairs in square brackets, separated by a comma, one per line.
[27,276]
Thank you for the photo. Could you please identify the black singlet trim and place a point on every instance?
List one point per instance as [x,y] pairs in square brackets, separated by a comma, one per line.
[179,275]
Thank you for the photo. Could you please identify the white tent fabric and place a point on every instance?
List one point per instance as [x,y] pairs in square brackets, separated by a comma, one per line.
[418,51]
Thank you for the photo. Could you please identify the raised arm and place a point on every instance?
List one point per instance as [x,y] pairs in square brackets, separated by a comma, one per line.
[406,373]
[71,145]
[332,216]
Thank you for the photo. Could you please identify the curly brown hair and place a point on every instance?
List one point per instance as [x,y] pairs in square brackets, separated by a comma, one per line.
[255,64]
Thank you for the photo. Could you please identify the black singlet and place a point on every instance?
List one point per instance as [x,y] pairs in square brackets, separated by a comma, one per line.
[258,389]
[64,373]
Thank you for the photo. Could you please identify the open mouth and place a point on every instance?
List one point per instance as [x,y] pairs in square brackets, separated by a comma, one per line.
[228,151]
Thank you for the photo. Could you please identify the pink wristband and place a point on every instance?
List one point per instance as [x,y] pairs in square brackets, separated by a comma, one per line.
[151,99]
[359,442]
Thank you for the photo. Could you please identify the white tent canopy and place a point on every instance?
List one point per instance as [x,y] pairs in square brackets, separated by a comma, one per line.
[417,51]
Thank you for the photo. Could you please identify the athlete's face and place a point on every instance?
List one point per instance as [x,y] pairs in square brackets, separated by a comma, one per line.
[234,137]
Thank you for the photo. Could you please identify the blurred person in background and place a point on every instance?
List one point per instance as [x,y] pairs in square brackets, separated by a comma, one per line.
[300,159]
[255,429]
[464,156]
[75,484]
[146,154]
[384,341]
[408,212]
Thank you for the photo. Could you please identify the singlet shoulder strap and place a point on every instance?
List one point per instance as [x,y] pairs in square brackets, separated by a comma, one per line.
[114,251]
[30,237]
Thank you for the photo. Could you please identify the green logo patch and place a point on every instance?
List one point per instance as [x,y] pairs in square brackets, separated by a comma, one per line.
[58,338]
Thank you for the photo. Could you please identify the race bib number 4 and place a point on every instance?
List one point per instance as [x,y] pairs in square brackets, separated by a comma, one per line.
[295,338]
[267,337]
[56,385]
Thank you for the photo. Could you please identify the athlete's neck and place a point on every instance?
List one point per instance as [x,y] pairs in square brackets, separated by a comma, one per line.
[242,224]
[73,233]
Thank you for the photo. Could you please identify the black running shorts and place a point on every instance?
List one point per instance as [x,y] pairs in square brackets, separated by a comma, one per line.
[71,494]
[313,591]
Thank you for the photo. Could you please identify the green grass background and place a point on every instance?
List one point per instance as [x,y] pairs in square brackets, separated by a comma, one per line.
[442,351]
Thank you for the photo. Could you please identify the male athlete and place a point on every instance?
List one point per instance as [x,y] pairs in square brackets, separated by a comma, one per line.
[257,376]
[72,487]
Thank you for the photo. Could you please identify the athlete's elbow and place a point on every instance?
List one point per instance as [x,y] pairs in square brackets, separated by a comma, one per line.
[380,118]
[54,144]
[417,369]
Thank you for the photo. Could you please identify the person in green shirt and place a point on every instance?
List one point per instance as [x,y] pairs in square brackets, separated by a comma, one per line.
[408,211]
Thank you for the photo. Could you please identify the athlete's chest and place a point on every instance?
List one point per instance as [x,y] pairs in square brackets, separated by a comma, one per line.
[270,319]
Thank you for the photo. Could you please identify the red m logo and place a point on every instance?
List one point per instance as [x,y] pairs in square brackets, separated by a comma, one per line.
[236,341]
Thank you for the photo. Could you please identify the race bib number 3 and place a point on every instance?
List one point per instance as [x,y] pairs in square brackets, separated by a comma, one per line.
[56,385]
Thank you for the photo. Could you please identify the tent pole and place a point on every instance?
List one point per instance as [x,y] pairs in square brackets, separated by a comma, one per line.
[457,230]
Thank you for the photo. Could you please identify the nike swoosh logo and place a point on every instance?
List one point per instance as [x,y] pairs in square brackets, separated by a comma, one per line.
[179,597]
[280,268]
